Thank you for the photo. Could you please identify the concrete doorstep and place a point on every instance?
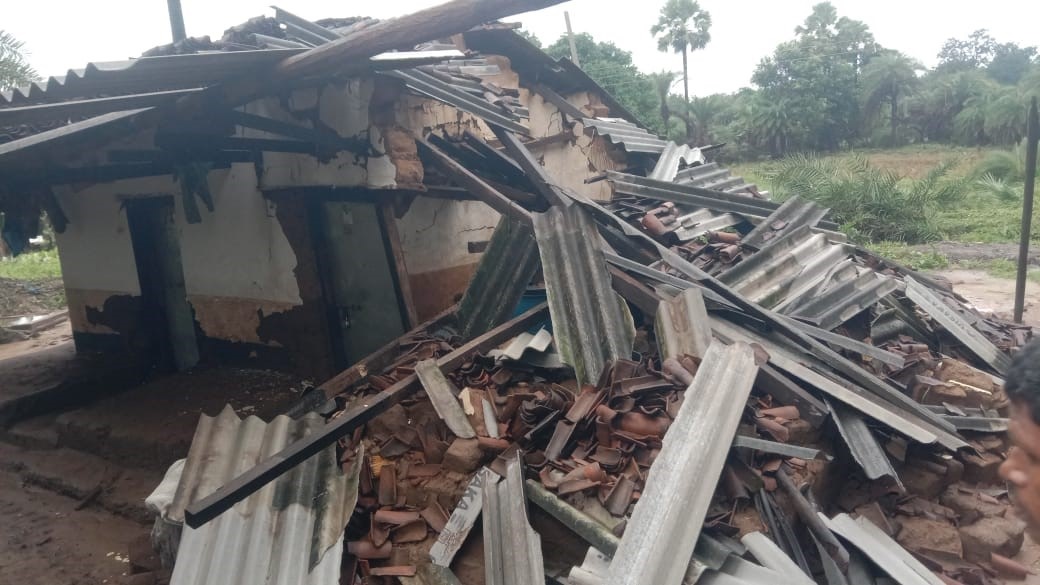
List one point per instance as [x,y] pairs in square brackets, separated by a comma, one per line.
[91,480]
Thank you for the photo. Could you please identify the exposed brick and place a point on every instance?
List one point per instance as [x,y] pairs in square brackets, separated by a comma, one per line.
[981,468]
[1003,536]
[464,456]
[969,507]
[923,535]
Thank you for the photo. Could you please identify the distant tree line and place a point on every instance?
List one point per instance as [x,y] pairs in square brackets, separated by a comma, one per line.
[832,86]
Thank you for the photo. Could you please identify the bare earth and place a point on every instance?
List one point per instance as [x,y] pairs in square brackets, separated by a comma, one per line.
[43,539]
[993,294]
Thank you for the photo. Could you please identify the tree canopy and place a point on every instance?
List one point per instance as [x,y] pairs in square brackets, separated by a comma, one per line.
[831,86]
[14,68]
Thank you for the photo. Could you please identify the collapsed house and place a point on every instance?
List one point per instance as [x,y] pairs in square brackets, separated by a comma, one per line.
[301,229]
[689,382]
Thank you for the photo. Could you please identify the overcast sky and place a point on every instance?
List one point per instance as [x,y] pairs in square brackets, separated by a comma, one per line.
[64,34]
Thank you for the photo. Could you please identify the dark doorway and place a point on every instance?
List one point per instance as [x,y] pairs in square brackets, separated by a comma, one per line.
[361,285]
[167,320]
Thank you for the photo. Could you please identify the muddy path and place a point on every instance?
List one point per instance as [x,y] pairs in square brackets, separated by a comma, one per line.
[966,252]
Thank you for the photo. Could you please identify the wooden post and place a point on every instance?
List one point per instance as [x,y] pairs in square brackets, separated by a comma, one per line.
[393,241]
[362,411]
[176,20]
[433,23]
[570,38]
[1032,137]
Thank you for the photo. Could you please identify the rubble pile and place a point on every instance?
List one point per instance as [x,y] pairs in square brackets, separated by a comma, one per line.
[807,467]
[691,383]
[822,455]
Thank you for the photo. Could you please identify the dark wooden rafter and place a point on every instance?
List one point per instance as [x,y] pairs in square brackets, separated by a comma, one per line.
[543,184]
[561,103]
[363,410]
[385,209]
[325,138]
[350,54]
[472,183]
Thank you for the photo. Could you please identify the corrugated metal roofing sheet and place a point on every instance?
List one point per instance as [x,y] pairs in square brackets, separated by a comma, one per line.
[880,548]
[947,317]
[696,197]
[682,325]
[669,514]
[512,549]
[46,143]
[591,323]
[792,214]
[715,177]
[146,75]
[830,306]
[505,269]
[290,532]
[911,419]
[863,444]
[626,134]
[795,261]
[453,95]
[672,157]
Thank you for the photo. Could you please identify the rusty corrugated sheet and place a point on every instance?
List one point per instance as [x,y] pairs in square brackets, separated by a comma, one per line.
[591,324]
[667,519]
[505,270]
[291,531]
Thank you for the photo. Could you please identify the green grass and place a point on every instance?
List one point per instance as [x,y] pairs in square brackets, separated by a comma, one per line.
[909,161]
[917,259]
[984,219]
[910,257]
[33,266]
[978,218]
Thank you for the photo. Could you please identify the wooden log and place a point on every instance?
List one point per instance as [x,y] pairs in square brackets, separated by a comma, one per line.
[248,483]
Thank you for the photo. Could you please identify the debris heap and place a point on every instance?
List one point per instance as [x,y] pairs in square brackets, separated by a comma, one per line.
[691,383]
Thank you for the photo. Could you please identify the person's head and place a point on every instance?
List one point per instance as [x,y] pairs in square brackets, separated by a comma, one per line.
[1022,468]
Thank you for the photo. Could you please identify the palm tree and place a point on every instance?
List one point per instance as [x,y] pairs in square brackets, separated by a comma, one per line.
[773,124]
[1006,116]
[885,79]
[663,81]
[682,27]
[14,69]
[704,112]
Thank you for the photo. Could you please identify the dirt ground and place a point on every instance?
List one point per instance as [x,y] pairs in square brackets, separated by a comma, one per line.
[964,252]
[993,294]
[60,333]
[44,539]
[19,297]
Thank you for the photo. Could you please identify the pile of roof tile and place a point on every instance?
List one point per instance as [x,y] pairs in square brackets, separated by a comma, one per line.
[718,388]
[745,439]
[708,429]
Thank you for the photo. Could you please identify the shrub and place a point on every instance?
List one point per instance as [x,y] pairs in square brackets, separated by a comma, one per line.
[868,202]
